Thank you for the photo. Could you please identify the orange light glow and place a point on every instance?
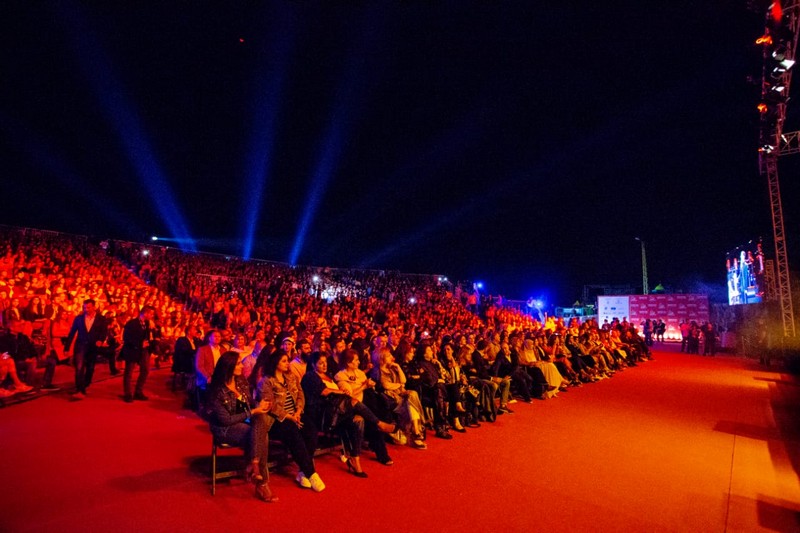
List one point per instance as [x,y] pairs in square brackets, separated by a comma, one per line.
[762,107]
[764,39]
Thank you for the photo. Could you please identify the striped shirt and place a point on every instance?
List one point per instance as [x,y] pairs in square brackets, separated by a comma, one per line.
[288,404]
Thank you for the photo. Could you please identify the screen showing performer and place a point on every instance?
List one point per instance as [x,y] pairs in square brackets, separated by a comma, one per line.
[745,266]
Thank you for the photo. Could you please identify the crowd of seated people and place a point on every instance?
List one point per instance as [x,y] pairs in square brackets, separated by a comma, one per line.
[45,279]
[366,355]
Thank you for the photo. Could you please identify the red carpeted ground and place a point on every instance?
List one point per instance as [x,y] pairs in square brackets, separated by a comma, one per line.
[682,443]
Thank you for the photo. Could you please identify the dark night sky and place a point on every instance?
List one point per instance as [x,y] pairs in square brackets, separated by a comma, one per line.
[522,143]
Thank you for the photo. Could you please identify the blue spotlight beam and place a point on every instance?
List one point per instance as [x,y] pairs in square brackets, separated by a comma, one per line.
[422,233]
[268,95]
[54,163]
[123,118]
[348,103]
[610,134]
[426,160]
[322,174]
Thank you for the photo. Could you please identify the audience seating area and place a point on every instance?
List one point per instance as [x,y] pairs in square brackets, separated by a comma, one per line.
[486,356]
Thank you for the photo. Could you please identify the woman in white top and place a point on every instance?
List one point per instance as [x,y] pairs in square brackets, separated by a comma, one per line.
[409,407]
[350,378]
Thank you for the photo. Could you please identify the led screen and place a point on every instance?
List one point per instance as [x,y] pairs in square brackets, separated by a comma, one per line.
[745,266]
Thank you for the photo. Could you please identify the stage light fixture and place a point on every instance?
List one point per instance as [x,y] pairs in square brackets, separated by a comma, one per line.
[412,300]
[315,279]
[778,89]
[145,252]
[777,73]
[780,56]
[153,238]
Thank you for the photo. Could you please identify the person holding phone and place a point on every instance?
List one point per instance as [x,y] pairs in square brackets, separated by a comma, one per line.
[235,420]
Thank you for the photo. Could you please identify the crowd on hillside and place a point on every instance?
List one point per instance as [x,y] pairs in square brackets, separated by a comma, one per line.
[274,351]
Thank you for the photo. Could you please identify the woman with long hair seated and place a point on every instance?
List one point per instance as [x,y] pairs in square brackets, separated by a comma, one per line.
[327,404]
[434,394]
[229,411]
[533,354]
[473,392]
[407,403]
[560,356]
[355,383]
[280,388]
[456,385]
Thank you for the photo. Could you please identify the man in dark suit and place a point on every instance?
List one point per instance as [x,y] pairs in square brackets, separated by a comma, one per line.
[185,349]
[89,331]
[136,339]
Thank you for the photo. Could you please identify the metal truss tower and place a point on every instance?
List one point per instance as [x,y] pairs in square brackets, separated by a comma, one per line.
[780,45]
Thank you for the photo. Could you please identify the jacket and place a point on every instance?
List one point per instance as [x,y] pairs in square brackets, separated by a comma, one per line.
[274,391]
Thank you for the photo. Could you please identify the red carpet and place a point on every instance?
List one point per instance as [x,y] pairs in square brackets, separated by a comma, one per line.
[682,443]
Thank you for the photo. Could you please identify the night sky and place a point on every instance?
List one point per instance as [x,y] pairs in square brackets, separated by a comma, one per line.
[524,144]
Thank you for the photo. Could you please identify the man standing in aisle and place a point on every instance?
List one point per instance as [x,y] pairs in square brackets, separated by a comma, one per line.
[89,331]
[136,338]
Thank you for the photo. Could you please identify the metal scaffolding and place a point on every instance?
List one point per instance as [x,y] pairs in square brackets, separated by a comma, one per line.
[780,45]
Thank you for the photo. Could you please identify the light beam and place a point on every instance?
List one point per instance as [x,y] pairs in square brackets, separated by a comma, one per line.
[120,113]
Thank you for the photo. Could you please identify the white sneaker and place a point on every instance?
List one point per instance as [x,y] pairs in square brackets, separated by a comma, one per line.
[316,483]
[303,480]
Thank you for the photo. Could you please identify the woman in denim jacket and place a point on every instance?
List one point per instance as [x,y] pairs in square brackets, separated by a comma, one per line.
[280,388]
[235,421]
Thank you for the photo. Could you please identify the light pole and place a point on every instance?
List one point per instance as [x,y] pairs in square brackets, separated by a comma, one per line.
[645,288]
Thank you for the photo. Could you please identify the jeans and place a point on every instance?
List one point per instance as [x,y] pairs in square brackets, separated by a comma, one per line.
[289,434]
[505,391]
[251,437]
[144,370]
[49,370]
[84,359]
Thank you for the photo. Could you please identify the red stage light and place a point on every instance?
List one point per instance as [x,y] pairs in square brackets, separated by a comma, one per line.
[777,11]
[241,40]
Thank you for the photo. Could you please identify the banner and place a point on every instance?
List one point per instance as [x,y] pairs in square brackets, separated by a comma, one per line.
[671,308]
